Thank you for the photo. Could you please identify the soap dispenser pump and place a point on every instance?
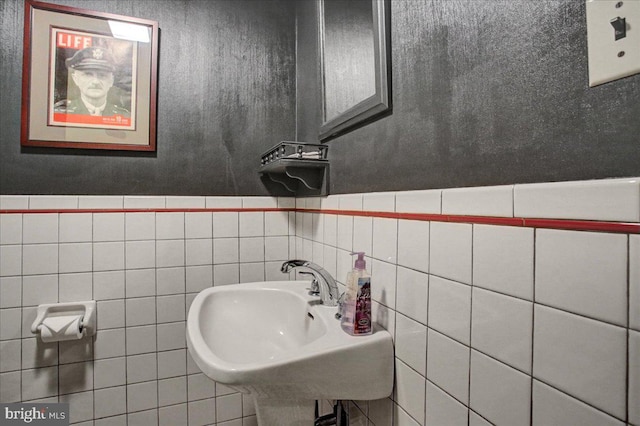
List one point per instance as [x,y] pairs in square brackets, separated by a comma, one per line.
[356,308]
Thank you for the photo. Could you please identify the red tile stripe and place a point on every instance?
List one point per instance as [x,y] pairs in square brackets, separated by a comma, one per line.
[567,224]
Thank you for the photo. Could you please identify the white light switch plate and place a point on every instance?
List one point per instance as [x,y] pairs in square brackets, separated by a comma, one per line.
[606,60]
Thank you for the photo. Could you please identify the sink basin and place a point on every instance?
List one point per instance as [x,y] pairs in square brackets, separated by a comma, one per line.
[275,341]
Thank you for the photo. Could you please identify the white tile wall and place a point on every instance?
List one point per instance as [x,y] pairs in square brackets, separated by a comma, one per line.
[473,332]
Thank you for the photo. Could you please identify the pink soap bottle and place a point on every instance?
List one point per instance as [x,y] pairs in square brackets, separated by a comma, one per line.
[356,308]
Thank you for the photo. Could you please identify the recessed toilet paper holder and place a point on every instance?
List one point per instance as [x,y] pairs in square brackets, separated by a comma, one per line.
[86,309]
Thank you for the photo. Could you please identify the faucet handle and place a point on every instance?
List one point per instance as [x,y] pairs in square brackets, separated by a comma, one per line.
[315,286]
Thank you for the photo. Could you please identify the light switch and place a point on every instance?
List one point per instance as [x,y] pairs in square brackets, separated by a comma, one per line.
[613,37]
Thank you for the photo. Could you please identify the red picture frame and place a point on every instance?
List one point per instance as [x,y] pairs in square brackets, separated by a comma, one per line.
[89,79]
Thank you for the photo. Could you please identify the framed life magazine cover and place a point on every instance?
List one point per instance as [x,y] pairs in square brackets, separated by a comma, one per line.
[89,79]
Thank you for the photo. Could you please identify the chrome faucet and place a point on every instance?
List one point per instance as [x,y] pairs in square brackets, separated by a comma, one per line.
[328,289]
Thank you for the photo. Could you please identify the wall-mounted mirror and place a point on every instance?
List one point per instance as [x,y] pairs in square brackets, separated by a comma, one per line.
[354,63]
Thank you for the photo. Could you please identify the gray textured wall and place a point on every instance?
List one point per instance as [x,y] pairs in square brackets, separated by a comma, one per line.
[485,92]
[226,94]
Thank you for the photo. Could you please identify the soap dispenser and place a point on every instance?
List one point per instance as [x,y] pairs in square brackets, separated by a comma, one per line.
[356,306]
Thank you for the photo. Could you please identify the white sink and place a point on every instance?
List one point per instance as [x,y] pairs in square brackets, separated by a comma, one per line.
[275,341]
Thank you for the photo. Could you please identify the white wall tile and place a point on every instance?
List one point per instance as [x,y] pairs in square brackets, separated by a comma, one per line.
[142,396]
[10,229]
[383,282]
[276,248]
[172,391]
[198,225]
[144,202]
[379,201]
[604,199]
[344,239]
[11,355]
[142,368]
[38,289]
[140,254]
[171,308]
[76,227]
[581,356]
[200,386]
[185,202]
[110,401]
[350,201]
[37,202]
[259,202]
[228,407]
[201,412]
[169,253]
[411,343]
[169,225]
[450,251]
[422,201]
[385,239]
[412,294]
[413,244]
[139,418]
[110,314]
[10,386]
[503,259]
[108,226]
[10,260]
[225,224]
[363,234]
[198,278]
[140,226]
[226,250]
[276,223]
[223,202]
[39,259]
[199,251]
[442,409]
[141,339]
[108,285]
[40,228]
[251,224]
[140,311]
[39,383]
[494,387]
[479,201]
[75,287]
[36,353]
[80,407]
[171,336]
[410,391]
[583,272]
[634,377]
[172,363]
[252,249]
[108,256]
[450,308]
[552,407]
[10,292]
[634,282]
[109,343]
[75,257]
[76,377]
[14,202]
[140,282]
[170,280]
[502,327]
[448,365]
[100,202]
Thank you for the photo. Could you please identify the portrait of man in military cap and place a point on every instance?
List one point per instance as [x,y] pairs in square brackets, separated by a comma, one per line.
[89,95]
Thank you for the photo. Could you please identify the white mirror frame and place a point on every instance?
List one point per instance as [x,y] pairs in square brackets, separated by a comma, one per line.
[375,105]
